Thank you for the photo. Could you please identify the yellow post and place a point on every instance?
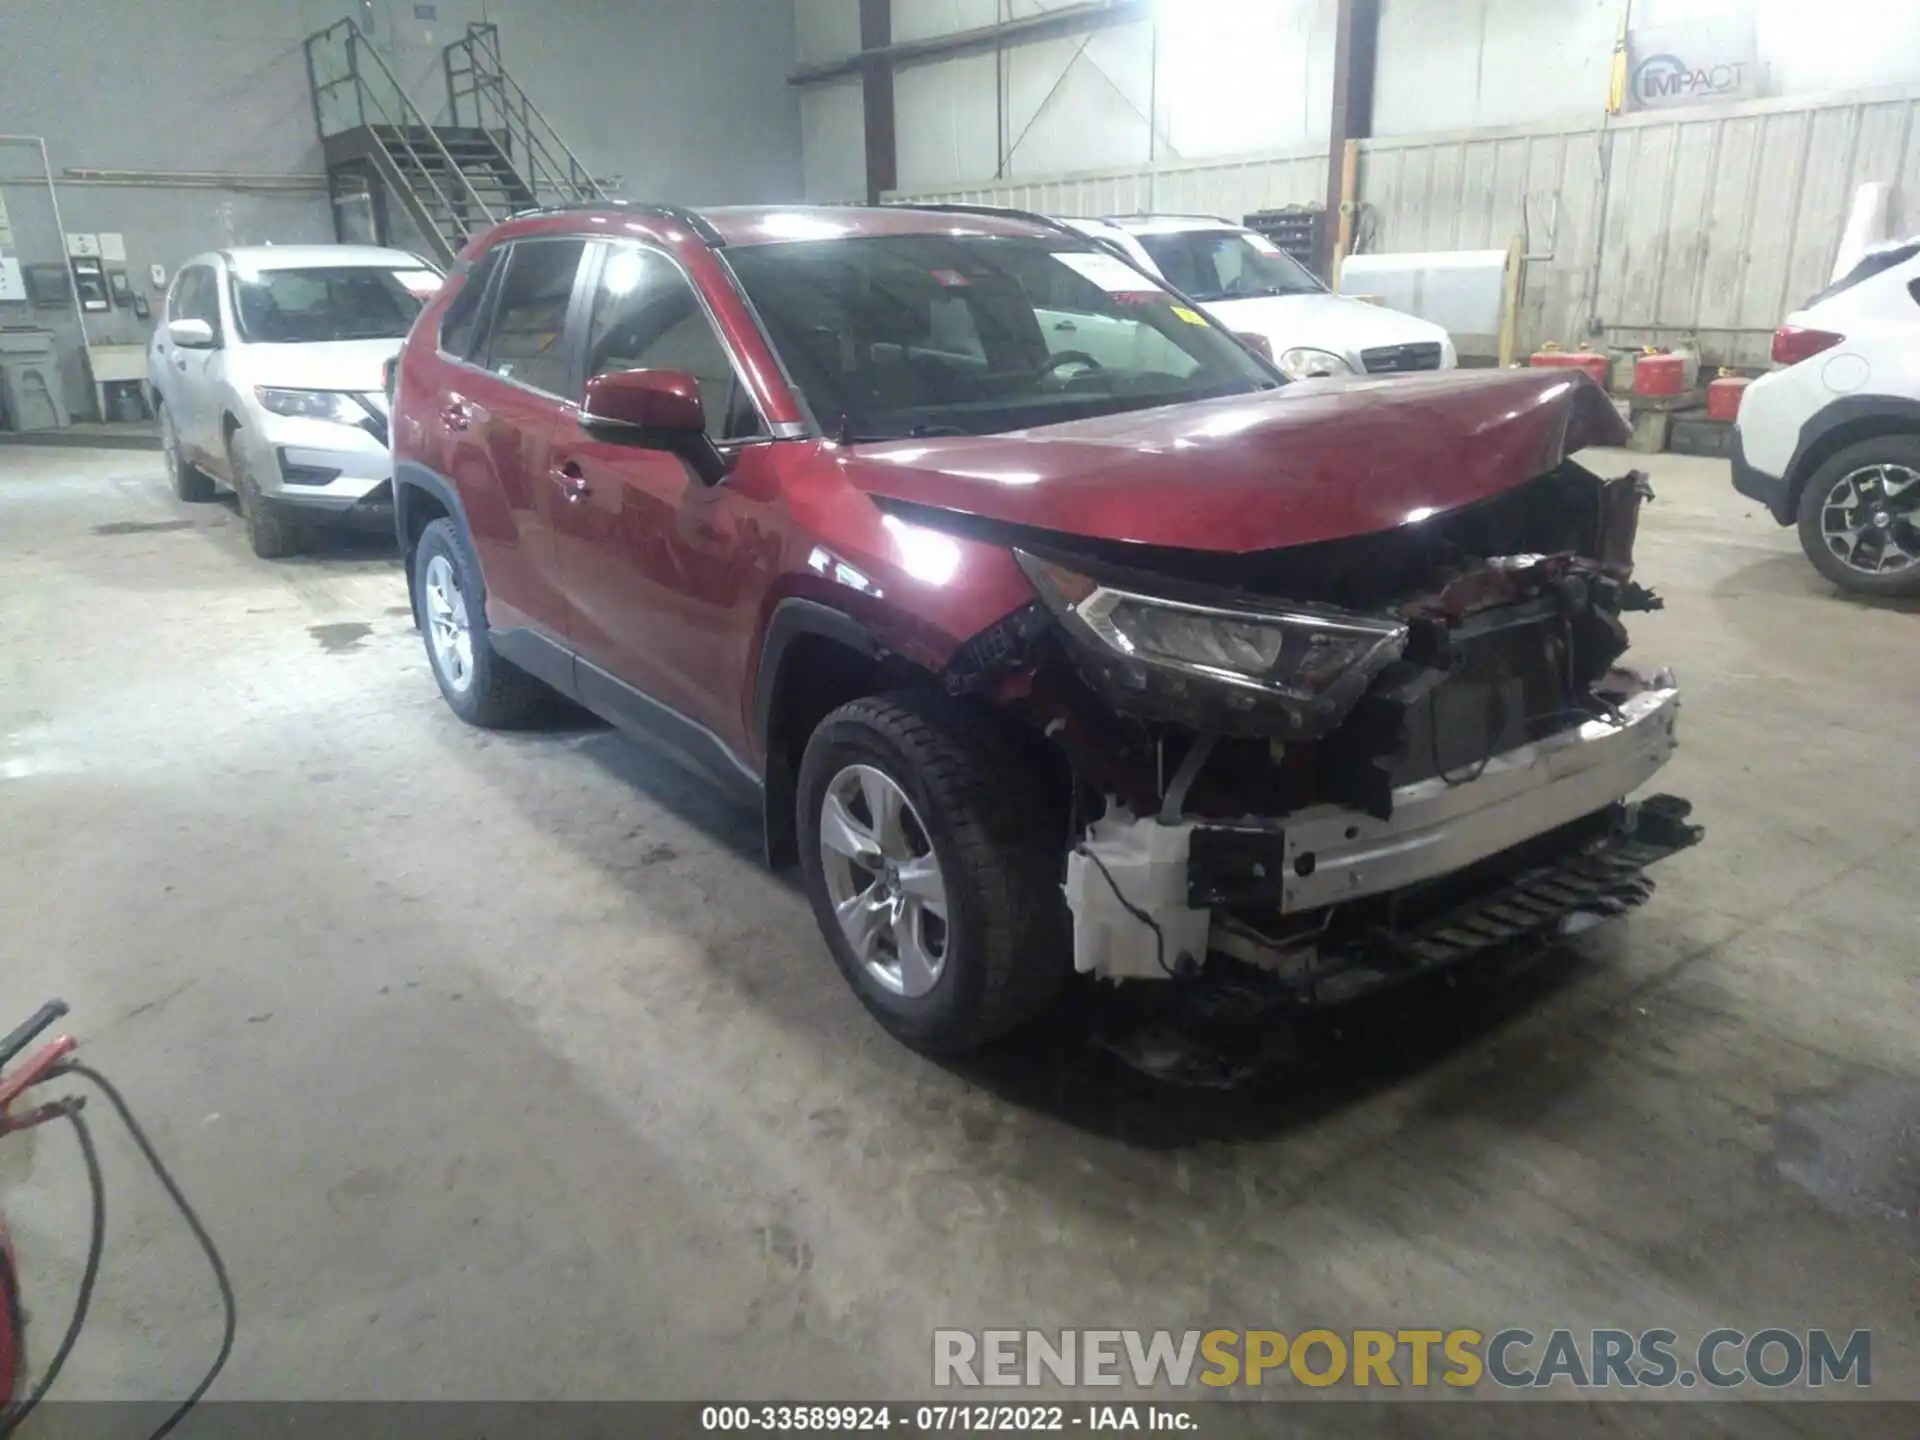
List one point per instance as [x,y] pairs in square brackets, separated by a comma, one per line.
[1510,303]
[1349,183]
[1617,76]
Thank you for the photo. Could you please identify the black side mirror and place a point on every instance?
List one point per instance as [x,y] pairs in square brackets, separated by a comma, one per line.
[656,410]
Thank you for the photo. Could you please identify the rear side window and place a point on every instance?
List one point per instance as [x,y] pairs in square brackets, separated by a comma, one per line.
[1869,266]
[646,316]
[527,339]
[460,324]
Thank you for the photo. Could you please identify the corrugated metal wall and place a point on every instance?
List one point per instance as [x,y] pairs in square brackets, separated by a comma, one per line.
[1712,223]
[1708,222]
[1225,187]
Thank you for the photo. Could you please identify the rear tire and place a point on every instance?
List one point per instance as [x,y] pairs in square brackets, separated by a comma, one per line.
[975,813]
[189,481]
[450,608]
[272,538]
[1875,480]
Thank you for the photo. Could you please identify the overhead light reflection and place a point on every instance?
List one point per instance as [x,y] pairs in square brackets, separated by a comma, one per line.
[926,555]
[786,225]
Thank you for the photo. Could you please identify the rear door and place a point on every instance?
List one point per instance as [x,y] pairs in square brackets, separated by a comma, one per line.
[665,571]
[494,419]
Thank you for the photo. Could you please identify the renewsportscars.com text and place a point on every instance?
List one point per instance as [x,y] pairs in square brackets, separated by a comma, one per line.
[1508,1359]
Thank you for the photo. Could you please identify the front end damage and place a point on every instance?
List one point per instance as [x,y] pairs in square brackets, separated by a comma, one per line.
[1344,763]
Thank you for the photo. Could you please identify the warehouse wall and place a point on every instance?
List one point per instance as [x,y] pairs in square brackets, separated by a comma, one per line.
[1226,78]
[1458,64]
[632,85]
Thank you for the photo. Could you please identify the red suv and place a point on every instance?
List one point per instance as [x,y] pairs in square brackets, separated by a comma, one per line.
[1047,628]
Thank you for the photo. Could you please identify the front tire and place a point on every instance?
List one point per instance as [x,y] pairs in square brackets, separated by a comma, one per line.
[450,607]
[1860,517]
[933,867]
[189,481]
[271,537]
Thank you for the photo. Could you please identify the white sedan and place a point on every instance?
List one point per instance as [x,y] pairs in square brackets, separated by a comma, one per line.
[1252,286]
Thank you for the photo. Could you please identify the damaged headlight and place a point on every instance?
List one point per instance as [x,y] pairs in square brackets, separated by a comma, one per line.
[1300,667]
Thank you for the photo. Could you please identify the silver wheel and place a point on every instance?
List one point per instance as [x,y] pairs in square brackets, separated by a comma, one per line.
[448,634]
[884,880]
[1870,519]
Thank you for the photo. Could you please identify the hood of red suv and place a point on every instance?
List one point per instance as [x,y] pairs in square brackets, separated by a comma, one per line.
[1318,460]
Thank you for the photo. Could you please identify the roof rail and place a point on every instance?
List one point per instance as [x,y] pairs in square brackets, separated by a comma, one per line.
[1173,215]
[1007,212]
[679,214]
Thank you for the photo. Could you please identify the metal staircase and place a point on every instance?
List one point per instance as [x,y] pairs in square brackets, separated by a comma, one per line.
[397,178]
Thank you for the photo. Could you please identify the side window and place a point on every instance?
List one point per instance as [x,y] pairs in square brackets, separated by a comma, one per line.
[646,316]
[460,324]
[527,340]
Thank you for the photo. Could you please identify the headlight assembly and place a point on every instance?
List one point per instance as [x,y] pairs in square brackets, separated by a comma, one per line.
[312,404]
[1288,668]
[1303,362]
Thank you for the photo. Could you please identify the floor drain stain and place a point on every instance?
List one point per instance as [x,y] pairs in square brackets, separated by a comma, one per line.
[338,638]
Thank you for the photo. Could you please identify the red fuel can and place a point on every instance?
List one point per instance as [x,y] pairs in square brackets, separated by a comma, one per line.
[1723,397]
[1594,364]
[1660,376]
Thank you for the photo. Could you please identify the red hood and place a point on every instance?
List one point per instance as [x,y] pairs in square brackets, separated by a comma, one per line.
[1313,461]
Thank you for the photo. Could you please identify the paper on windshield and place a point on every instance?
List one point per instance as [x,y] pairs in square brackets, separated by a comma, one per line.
[1261,243]
[418,283]
[1113,276]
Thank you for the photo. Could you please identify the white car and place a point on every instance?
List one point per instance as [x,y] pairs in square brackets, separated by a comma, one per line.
[266,373]
[1830,441]
[1251,285]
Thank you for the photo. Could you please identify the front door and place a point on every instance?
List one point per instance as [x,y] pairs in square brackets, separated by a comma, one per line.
[662,569]
[195,414]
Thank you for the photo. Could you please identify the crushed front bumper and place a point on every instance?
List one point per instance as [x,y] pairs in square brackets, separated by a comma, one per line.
[1333,854]
[1464,861]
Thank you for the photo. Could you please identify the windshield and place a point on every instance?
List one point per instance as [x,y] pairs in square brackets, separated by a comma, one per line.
[339,302]
[1227,265]
[894,335]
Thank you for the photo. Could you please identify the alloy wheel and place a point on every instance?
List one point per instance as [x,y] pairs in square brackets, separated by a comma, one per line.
[448,634]
[1870,519]
[884,880]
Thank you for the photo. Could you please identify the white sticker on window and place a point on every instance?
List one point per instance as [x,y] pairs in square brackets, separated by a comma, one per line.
[420,283]
[1262,243]
[1110,274]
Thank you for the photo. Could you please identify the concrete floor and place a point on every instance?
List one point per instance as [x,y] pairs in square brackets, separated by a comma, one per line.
[500,1068]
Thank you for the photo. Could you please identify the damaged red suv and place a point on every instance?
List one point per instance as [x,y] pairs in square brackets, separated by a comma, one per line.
[1045,626]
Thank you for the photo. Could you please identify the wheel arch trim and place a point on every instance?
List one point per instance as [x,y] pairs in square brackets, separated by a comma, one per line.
[1817,442]
[410,476]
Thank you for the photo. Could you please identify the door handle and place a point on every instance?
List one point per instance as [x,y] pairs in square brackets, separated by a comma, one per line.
[180,362]
[455,415]
[1066,325]
[573,484]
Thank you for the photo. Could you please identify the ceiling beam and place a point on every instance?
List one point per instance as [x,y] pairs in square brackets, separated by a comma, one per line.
[876,98]
[1048,25]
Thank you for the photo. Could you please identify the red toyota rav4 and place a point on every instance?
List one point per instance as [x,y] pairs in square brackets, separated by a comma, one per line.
[1047,628]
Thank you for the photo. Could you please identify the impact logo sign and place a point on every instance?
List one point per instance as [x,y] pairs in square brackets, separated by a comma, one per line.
[1691,64]
[1666,79]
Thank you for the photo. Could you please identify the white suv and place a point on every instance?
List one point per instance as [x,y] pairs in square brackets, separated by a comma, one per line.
[1252,286]
[1830,441]
[266,372]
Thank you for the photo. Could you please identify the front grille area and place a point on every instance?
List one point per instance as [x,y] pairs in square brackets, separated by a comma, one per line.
[1392,359]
